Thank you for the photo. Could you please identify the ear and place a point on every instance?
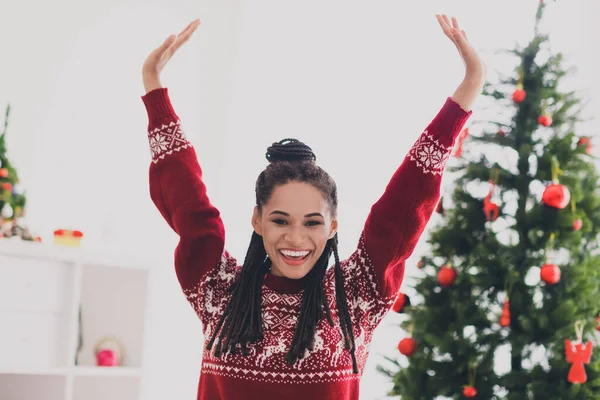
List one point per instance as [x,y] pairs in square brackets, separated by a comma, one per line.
[333,229]
[256,221]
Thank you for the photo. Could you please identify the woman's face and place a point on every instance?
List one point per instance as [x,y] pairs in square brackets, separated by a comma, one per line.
[295,225]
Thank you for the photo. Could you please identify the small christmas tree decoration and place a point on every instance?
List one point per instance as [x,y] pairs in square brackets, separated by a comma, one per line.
[491,210]
[440,207]
[556,195]
[577,222]
[545,120]
[402,301]
[501,132]
[598,323]
[519,94]
[3,173]
[469,390]
[587,142]
[578,354]
[420,264]
[460,141]
[446,275]
[407,346]
[505,317]
[550,273]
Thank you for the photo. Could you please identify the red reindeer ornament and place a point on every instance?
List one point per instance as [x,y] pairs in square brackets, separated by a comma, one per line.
[490,209]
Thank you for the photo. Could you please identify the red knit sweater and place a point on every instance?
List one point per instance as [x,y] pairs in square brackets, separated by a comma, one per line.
[373,273]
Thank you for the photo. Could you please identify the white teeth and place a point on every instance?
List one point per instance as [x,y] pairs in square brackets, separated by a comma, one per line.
[294,253]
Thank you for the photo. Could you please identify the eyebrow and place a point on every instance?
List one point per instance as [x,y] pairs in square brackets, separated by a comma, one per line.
[316,214]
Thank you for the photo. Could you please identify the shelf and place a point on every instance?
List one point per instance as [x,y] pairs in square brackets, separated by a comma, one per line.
[35,371]
[107,371]
[49,252]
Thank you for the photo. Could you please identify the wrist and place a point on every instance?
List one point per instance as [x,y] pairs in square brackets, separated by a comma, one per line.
[151,83]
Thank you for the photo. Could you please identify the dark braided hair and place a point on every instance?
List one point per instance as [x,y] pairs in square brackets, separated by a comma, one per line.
[241,323]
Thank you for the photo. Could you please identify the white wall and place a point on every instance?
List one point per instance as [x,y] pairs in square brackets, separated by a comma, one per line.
[357,81]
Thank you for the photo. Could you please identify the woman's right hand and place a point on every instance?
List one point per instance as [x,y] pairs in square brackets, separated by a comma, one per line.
[159,57]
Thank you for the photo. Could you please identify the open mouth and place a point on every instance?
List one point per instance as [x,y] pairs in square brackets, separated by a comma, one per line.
[294,256]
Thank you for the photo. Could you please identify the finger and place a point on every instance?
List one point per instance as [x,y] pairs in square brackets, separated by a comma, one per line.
[186,34]
[464,33]
[455,23]
[445,27]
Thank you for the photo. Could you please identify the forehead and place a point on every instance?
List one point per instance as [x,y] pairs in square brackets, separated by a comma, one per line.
[297,197]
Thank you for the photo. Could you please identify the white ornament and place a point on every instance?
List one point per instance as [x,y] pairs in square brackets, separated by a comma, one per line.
[7,211]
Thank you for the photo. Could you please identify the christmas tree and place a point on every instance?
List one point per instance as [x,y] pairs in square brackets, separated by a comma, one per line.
[12,196]
[508,303]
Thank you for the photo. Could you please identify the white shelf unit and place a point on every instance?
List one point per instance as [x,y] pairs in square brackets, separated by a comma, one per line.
[42,288]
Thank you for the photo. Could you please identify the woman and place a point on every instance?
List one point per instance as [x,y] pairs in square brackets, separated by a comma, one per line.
[283,325]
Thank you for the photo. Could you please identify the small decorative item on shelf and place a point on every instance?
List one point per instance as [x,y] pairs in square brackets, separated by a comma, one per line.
[67,237]
[109,353]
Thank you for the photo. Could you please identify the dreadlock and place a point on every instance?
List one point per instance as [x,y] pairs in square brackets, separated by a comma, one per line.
[241,322]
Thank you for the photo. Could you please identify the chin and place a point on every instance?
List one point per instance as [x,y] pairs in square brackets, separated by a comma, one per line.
[294,271]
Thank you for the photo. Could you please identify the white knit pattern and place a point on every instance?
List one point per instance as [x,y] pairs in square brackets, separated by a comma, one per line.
[429,155]
[166,139]
[328,361]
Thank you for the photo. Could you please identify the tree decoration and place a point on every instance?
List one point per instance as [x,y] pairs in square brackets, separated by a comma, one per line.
[446,275]
[577,222]
[578,354]
[401,302]
[587,142]
[549,272]
[556,195]
[469,390]
[460,141]
[491,210]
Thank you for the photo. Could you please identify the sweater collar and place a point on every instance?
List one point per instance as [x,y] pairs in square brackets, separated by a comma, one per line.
[284,285]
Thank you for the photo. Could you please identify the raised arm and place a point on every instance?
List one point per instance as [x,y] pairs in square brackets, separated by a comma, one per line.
[399,217]
[176,185]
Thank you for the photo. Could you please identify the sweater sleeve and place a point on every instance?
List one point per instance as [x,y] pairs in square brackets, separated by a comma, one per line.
[374,273]
[177,190]
[397,220]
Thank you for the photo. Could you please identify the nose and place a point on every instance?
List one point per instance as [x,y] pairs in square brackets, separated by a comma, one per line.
[294,236]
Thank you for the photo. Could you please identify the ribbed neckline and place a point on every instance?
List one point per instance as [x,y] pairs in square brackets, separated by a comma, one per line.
[284,285]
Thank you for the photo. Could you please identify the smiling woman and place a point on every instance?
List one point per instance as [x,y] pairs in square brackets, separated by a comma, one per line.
[283,324]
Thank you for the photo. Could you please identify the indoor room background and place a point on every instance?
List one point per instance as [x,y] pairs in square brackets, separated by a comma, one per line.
[357,81]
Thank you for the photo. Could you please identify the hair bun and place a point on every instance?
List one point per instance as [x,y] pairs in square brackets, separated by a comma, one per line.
[290,150]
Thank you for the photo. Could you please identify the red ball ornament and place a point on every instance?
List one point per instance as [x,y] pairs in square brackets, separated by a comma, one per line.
[577,224]
[407,346]
[420,264]
[556,196]
[469,391]
[545,120]
[519,95]
[550,273]
[402,301]
[7,186]
[446,276]
[585,141]
[3,173]
[501,132]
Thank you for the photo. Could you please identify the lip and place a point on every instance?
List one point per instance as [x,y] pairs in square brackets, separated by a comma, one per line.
[294,263]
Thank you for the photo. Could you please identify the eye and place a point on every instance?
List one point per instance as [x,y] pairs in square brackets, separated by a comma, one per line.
[279,222]
[313,223]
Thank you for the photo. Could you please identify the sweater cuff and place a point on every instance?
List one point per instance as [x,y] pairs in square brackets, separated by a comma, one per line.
[450,120]
[158,105]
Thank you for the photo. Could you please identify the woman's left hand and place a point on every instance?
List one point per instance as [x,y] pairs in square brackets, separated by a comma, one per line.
[474,67]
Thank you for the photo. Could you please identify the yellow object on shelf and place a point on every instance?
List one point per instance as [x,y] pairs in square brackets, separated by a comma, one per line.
[65,237]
